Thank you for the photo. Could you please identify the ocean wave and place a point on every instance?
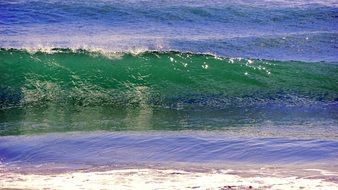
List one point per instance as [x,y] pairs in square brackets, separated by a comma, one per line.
[87,77]
[271,46]
[84,89]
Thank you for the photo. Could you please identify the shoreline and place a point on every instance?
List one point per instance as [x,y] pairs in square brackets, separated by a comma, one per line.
[176,176]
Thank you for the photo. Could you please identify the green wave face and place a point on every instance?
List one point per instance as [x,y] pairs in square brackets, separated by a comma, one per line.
[75,90]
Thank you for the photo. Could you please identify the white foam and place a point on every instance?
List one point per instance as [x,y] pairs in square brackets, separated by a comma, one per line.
[157,179]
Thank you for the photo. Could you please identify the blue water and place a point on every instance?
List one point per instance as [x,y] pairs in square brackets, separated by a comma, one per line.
[83,150]
[305,31]
[281,30]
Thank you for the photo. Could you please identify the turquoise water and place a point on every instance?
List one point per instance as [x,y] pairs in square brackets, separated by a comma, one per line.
[82,90]
[106,82]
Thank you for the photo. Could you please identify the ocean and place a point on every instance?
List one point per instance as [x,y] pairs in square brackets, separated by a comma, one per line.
[169,94]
